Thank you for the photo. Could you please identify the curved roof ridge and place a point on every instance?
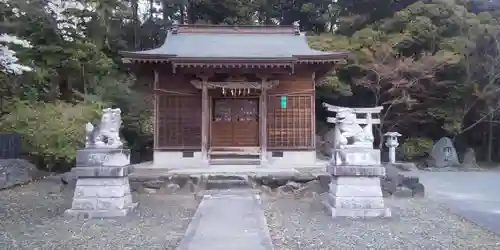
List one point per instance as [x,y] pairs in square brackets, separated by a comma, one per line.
[235,29]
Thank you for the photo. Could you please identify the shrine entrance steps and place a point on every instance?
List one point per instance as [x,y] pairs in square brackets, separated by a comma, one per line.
[234,156]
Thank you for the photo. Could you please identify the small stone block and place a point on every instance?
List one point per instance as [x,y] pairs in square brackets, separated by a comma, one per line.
[84,204]
[108,171]
[97,157]
[114,203]
[403,192]
[356,202]
[103,181]
[358,181]
[101,191]
[357,156]
[356,171]
[101,203]
[358,213]
[356,190]
[89,214]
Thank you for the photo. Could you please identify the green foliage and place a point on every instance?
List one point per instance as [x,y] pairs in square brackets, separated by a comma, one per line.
[52,132]
[434,63]
[136,105]
[416,148]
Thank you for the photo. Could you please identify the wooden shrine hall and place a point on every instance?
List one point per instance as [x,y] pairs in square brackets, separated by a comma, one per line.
[233,95]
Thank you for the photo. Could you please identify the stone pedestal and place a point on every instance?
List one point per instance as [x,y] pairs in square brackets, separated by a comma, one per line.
[355,190]
[355,156]
[102,188]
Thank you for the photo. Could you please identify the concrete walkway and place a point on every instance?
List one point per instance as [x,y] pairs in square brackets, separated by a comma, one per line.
[472,195]
[228,220]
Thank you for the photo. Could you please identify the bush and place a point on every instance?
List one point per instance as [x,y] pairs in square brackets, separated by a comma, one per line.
[51,132]
[416,148]
[136,105]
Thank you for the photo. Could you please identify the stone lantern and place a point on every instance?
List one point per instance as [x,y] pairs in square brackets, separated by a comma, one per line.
[392,143]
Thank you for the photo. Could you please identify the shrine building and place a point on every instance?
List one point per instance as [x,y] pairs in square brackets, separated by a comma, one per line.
[226,95]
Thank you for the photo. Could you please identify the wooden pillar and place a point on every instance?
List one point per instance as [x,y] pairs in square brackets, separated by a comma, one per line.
[155,109]
[263,123]
[204,121]
[313,108]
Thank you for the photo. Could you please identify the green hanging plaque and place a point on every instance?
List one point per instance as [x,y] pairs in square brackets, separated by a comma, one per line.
[283,102]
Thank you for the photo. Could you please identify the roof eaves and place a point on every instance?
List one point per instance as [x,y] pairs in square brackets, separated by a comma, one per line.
[323,56]
[234,59]
[139,55]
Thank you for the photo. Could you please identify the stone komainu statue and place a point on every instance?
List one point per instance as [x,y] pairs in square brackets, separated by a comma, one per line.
[348,132]
[107,134]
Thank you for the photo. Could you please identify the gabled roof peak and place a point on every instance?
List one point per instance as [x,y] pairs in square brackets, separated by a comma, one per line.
[234,29]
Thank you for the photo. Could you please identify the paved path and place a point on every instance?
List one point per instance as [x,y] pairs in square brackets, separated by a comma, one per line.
[232,220]
[473,195]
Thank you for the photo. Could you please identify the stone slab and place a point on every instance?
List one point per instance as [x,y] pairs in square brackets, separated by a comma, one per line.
[89,214]
[356,202]
[358,181]
[356,190]
[102,171]
[103,181]
[356,170]
[356,156]
[101,203]
[101,191]
[357,213]
[96,157]
[229,221]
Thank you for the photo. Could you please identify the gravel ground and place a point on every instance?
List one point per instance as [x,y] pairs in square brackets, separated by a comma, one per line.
[31,218]
[416,224]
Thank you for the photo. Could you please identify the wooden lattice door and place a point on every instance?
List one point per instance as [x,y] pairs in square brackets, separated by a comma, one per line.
[235,122]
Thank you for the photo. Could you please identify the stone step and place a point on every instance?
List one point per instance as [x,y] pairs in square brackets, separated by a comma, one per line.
[233,153]
[234,161]
[227,182]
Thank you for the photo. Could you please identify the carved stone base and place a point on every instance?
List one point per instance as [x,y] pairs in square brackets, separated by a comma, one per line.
[101,198]
[102,188]
[98,157]
[355,156]
[356,197]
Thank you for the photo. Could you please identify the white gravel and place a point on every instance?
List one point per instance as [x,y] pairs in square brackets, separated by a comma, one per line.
[31,218]
[416,224]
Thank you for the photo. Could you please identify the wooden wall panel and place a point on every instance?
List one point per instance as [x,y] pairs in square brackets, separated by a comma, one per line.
[178,114]
[291,127]
[293,83]
[177,83]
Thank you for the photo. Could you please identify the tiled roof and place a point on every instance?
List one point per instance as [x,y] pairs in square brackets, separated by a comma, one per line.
[233,43]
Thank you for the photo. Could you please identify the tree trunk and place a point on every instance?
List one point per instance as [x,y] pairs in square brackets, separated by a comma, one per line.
[151,9]
[182,8]
[65,90]
[135,17]
[490,137]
